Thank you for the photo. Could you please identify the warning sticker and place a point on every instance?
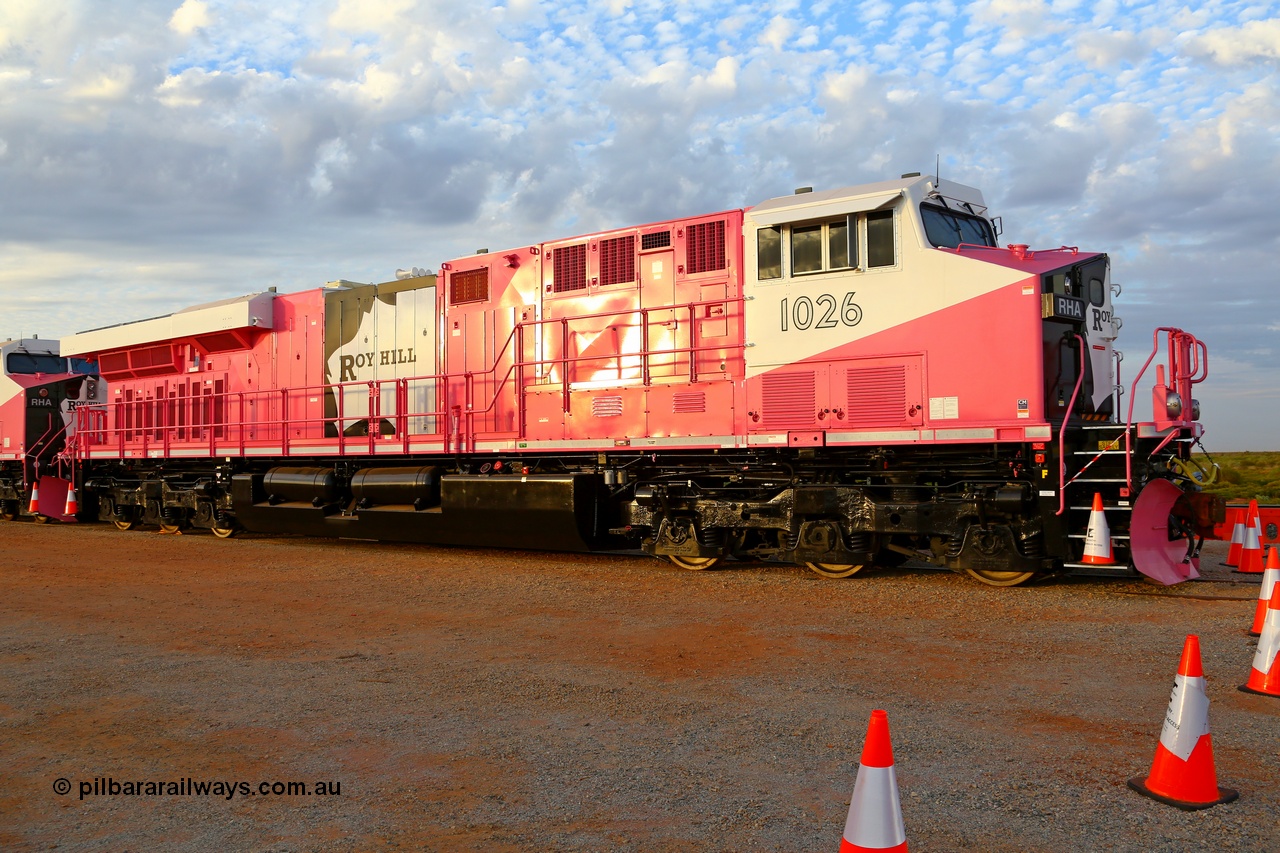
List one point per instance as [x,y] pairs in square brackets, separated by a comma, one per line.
[944,408]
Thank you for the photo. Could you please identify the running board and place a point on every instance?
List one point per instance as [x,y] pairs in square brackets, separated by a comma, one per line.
[1089,569]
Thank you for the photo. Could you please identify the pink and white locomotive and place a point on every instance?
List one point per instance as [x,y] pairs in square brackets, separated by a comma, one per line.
[835,379]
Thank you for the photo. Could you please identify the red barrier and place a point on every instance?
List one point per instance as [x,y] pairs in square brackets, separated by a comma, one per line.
[1269,513]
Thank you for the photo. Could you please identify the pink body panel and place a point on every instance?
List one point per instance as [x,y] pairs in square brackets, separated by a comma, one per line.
[984,354]
[203,397]
[601,339]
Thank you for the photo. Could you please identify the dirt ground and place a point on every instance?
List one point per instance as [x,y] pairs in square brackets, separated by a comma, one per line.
[497,700]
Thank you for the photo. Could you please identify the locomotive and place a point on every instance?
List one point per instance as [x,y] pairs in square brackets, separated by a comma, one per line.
[834,379]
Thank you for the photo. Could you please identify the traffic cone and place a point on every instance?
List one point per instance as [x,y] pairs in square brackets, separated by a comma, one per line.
[875,812]
[1182,773]
[34,507]
[1237,539]
[1269,578]
[1097,542]
[72,506]
[1251,551]
[1264,677]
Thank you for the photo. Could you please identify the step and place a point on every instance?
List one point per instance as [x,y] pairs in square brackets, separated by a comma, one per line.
[1120,571]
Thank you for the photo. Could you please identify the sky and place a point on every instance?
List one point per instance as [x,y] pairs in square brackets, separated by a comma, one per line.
[157,154]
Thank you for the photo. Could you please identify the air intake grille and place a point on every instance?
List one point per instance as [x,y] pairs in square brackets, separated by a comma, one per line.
[877,395]
[688,402]
[618,260]
[705,247]
[656,240]
[469,286]
[606,407]
[571,268]
[789,399]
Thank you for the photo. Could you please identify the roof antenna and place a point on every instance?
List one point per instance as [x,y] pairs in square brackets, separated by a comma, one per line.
[937,171]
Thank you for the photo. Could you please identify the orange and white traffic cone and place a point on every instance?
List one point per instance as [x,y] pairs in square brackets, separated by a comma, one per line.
[1251,551]
[1097,542]
[1182,773]
[875,811]
[1237,539]
[34,506]
[1264,676]
[72,506]
[1269,579]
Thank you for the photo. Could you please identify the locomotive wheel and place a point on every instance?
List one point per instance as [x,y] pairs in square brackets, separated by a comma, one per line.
[695,564]
[223,532]
[837,570]
[40,519]
[122,524]
[8,516]
[994,577]
[170,528]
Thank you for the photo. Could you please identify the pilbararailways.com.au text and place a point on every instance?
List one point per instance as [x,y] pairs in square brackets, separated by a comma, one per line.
[188,787]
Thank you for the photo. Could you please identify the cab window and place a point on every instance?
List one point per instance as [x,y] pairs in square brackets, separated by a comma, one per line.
[947,228]
[34,362]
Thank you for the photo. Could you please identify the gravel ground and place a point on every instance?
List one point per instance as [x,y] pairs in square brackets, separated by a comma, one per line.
[490,700]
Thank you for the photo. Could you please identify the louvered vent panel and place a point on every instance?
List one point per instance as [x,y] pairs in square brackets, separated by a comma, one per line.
[469,286]
[688,402]
[705,246]
[656,240]
[570,268]
[113,362]
[606,407]
[789,399]
[877,395]
[618,260]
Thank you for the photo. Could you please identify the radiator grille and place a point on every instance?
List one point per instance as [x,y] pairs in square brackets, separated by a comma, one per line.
[877,395]
[705,247]
[788,399]
[469,286]
[570,268]
[618,260]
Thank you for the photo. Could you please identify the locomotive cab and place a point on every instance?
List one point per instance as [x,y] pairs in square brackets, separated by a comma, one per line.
[39,393]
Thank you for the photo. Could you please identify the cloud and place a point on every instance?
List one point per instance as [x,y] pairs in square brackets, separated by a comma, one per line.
[1244,45]
[778,34]
[168,154]
[192,15]
[1108,48]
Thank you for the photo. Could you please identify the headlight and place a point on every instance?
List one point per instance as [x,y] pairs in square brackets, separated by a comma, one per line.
[1195,409]
[1173,405]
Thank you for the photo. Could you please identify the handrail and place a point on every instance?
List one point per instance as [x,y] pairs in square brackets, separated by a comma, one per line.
[254,409]
[1062,433]
[33,452]
[1189,347]
[1019,250]
[518,363]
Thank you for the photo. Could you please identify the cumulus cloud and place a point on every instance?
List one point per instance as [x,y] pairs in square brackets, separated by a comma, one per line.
[1249,43]
[192,15]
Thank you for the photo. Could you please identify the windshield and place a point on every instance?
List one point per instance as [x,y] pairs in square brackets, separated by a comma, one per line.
[949,228]
[34,362]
